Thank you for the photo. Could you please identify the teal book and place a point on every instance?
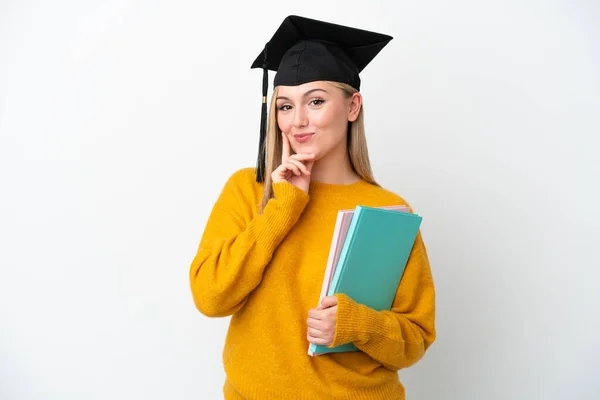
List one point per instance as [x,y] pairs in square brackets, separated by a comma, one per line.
[372,260]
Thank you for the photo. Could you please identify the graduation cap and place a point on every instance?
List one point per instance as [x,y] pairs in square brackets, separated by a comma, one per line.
[306,50]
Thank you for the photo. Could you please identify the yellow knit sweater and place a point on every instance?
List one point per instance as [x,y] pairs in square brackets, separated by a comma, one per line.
[266,270]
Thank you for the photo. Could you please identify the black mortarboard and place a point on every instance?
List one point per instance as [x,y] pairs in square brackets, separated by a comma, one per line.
[305,50]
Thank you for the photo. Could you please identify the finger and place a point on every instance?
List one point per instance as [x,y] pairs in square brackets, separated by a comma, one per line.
[323,306]
[316,340]
[287,167]
[285,152]
[315,314]
[292,167]
[316,324]
[303,156]
[316,333]
[299,164]
[329,301]
[309,165]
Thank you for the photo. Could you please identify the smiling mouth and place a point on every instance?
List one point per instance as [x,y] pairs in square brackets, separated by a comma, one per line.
[302,135]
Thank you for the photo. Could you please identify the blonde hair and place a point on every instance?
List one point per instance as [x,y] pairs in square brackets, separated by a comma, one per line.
[357,145]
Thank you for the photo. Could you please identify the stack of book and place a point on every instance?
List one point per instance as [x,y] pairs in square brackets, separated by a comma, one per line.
[368,254]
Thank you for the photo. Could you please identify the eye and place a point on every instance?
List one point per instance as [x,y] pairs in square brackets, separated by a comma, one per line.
[317,102]
[284,107]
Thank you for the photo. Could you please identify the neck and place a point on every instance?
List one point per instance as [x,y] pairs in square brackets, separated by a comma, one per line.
[334,168]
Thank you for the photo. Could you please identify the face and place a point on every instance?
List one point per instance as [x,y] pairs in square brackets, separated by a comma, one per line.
[314,116]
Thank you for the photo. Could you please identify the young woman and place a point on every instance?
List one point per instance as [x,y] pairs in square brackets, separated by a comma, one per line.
[262,256]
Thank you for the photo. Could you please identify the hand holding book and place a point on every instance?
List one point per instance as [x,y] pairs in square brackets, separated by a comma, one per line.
[369,251]
[321,322]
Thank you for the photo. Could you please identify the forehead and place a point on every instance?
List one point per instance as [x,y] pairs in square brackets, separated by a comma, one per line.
[300,90]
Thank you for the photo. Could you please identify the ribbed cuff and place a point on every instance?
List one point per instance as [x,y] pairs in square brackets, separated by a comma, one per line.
[354,322]
[280,214]
[289,193]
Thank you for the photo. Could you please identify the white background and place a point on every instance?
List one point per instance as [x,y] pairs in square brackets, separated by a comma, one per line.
[121,120]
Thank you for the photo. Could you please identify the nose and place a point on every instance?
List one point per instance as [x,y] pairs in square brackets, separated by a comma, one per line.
[300,118]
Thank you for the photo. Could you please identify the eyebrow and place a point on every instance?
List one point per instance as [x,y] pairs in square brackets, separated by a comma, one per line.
[305,94]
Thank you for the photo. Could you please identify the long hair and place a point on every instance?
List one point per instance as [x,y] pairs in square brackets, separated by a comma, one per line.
[357,145]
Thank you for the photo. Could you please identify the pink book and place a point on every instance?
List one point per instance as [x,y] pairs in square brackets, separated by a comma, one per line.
[342,224]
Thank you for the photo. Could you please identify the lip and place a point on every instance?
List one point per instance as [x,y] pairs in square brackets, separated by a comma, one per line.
[303,137]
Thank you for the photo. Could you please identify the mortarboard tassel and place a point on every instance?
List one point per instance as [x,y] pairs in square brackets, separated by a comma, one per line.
[263,123]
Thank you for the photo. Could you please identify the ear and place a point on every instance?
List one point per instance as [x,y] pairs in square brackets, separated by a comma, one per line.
[354,106]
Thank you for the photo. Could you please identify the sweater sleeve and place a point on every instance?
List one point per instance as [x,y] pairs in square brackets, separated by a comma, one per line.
[397,338]
[235,248]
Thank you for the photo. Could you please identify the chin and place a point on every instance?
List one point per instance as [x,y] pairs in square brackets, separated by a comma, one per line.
[307,149]
[318,153]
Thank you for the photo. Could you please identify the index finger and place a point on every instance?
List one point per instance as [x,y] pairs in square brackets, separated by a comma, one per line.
[314,314]
[285,151]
